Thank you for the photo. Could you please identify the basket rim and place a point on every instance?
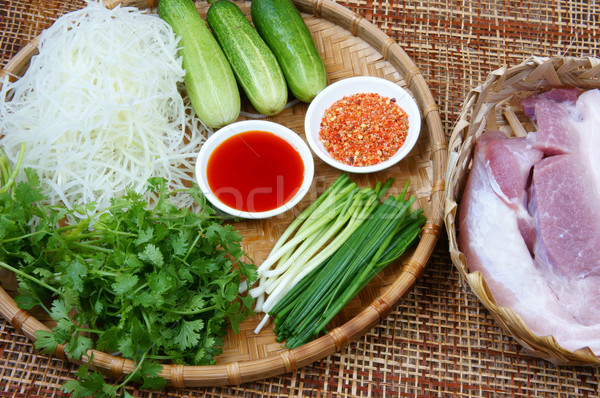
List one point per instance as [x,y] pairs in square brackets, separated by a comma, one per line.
[289,360]
[532,75]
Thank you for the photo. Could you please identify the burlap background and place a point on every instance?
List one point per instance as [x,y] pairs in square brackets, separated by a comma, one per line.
[439,341]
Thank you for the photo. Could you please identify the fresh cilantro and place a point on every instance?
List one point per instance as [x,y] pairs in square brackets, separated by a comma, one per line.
[150,282]
[89,383]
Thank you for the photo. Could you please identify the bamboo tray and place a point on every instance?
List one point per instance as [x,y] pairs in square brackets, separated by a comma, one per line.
[493,105]
[350,46]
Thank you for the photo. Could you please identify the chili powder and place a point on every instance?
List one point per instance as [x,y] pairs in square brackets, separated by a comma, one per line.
[363,129]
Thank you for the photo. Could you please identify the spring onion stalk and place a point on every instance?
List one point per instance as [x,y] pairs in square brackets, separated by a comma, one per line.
[341,181]
[314,236]
[287,281]
[318,217]
[299,227]
[298,245]
[311,304]
[308,226]
[293,277]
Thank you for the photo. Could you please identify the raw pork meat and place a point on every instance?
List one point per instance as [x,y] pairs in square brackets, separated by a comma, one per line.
[557,131]
[556,95]
[530,219]
[566,210]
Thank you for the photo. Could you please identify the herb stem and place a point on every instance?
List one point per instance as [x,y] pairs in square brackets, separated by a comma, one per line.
[13,173]
[95,234]
[90,246]
[25,236]
[31,278]
[147,321]
[131,375]
[191,247]
[200,311]
[88,330]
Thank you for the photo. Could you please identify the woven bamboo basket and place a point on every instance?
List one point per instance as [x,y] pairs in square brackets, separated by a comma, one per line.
[495,105]
[350,46]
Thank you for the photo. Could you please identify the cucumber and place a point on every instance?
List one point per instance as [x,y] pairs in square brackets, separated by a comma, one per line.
[253,63]
[281,26]
[209,80]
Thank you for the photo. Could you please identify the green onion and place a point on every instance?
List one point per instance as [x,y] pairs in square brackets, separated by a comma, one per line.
[311,304]
[316,234]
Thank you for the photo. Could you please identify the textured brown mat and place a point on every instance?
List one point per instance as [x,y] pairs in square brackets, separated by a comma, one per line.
[439,341]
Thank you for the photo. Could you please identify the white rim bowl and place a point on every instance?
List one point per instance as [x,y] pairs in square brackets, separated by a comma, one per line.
[355,85]
[250,125]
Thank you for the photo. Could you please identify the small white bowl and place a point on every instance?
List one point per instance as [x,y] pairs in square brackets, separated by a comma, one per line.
[355,85]
[251,125]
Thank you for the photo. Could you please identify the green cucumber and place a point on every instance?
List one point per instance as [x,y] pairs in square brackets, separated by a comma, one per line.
[209,80]
[281,26]
[253,63]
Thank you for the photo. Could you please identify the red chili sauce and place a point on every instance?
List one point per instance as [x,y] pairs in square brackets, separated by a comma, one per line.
[255,171]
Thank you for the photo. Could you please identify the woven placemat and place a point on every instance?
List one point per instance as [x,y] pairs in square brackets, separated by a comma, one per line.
[439,341]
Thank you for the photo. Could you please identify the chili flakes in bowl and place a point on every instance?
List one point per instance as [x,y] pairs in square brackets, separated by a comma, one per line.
[363,129]
[362,124]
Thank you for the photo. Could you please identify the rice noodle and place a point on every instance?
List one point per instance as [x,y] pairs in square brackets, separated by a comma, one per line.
[100,109]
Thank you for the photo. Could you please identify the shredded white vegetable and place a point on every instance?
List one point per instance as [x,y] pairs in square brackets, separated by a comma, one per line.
[100,109]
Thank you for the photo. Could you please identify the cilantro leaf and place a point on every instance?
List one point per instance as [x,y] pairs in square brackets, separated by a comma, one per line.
[188,333]
[226,236]
[47,342]
[235,316]
[26,302]
[152,255]
[144,236]
[28,193]
[75,273]
[145,299]
[124,284]
[88,385]
[194,304]
[78,345]
[180,244]
[59,310]
[108,340]
[150,371]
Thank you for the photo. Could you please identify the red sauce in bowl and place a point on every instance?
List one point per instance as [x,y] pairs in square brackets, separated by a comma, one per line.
[255,171]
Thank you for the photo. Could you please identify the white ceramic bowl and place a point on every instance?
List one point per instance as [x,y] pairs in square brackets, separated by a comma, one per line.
[250,125]
[355,85]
